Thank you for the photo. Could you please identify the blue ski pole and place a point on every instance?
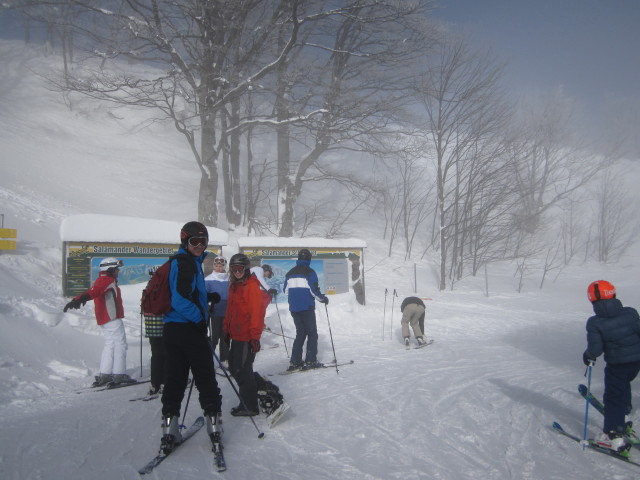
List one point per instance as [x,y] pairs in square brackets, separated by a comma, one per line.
[586,408]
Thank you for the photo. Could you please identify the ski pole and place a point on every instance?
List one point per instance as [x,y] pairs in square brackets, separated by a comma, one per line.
[584,442]
[141,335]
[393,302]
[331,336]
[384,313]
[281,329]
[186,407]
[226,374]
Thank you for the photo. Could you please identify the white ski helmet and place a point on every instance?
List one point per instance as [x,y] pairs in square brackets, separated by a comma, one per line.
[110,262]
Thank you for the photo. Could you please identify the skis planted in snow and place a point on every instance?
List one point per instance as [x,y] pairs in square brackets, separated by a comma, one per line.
[599,406]
[426,344]
[188,433]
[277,414]
[217,448]
[322,365]
[592,445]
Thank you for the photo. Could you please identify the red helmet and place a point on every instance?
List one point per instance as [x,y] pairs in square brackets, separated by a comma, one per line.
[600,290]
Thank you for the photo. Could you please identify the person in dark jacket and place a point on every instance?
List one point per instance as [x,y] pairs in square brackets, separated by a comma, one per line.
[301,285]
[615,331]
[413,311]
[185,338]
[153,326]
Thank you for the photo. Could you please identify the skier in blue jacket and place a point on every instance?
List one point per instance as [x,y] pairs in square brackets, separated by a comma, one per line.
[185,338]
[301,286]
[615,331]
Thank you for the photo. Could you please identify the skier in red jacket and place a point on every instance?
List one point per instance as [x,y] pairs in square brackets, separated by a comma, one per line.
[243,323]
[107,301]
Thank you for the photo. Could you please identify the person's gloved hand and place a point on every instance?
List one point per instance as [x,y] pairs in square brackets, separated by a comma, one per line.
[213,297]
[325,300]
[273,292]
[587,359]
[227,340]
[255,345]
[77,302]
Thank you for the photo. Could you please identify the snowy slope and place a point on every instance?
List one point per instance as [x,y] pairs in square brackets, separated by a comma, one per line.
[477,403]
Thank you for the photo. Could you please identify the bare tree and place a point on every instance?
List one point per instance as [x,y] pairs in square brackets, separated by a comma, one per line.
[616,222]
[464,113]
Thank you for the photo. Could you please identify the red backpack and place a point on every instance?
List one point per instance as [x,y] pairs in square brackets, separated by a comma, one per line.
[156,297]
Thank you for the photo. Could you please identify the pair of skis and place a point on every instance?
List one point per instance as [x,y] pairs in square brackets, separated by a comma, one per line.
[322,365]
[217,447]
[422,345]
[599,406]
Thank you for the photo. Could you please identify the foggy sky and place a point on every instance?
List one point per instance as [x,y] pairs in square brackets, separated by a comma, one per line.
[588,47]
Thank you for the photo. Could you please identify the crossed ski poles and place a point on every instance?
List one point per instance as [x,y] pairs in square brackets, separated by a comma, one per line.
[384,315]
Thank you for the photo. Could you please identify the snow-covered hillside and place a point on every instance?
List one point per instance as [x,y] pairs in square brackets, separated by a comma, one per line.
[478,403]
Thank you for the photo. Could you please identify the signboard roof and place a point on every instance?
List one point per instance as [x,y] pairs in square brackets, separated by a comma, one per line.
[117,229]
[304,242]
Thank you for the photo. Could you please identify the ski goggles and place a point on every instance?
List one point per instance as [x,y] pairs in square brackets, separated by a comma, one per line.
[198,241]
[237,268]
[219,261]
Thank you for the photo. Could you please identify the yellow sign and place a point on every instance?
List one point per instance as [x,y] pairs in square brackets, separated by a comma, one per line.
[8,233]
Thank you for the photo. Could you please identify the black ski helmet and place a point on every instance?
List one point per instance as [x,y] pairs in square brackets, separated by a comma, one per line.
[240,259]
[192,229]
[304,254]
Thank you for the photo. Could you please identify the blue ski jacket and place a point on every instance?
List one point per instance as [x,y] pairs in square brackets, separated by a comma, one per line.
[301,285]
[615,331]
[188,292]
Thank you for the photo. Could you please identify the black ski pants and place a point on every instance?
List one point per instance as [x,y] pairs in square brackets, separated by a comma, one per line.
[187,347]
[241,367]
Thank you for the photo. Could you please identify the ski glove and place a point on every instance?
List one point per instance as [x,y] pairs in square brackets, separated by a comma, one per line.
[587,359]
[325,300]
[273,292]
[227,340]
[255,346]
[213,297]
[77,302]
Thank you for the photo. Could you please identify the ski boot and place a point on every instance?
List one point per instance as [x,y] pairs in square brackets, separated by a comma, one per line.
[102,380]
[119,378]
[420,341]
[214,427]
[171,435]
[614,441]
[295,366]
[406,341]
[312,365]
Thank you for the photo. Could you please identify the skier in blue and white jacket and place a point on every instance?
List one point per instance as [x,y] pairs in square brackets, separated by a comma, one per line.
[301,286]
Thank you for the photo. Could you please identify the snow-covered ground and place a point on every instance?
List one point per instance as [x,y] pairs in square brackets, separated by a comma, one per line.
[478,403]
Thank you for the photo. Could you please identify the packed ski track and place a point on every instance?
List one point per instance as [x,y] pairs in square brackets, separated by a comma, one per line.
[477,403]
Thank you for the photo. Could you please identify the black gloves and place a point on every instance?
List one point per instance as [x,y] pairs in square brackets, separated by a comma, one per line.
[77,302]
[213,297]
[273,292]
[227,340]
[255,346]
[588,359]
[325,300]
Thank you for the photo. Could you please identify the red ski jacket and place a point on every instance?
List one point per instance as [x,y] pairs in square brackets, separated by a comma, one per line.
[107,299]
[244,320]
